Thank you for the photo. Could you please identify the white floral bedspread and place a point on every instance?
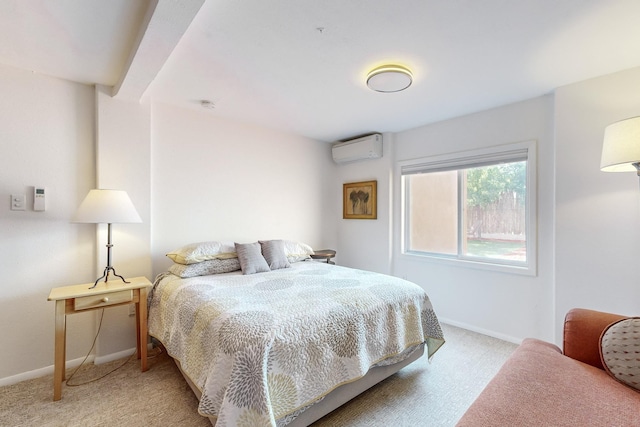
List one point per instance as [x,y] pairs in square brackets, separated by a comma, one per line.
[263,346]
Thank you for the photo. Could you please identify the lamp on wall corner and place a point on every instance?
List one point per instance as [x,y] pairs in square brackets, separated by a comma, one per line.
[621,147]
[107,207]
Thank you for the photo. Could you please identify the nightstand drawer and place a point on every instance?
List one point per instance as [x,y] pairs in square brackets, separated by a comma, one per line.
[94,301]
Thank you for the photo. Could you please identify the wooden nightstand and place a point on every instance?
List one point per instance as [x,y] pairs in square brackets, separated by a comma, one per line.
[79,298]
[325,254]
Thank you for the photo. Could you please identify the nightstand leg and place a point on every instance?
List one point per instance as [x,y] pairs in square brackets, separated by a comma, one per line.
[141,328]
[60,347]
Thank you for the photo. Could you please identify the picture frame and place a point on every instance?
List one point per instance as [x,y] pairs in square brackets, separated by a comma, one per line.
[360,200]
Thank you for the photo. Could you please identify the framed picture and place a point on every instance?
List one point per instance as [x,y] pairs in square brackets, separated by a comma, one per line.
[360,200]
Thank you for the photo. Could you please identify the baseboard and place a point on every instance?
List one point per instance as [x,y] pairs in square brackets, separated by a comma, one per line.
[37,373]
[480,331]
[99,360]
[48,370]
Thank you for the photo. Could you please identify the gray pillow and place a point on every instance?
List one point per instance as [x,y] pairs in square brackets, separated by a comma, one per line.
[251,259]
[273,253]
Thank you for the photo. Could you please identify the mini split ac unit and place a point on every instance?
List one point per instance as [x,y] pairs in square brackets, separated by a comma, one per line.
[367,147]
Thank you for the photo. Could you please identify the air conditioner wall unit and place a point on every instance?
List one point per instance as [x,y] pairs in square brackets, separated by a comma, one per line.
[366,147]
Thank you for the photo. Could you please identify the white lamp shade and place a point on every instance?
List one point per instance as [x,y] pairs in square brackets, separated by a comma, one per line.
[107,207]
[621,146]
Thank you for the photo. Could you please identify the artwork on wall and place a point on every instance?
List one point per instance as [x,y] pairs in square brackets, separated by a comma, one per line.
[359,200]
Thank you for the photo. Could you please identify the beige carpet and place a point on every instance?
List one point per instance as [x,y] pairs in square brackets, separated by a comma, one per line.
[422,394]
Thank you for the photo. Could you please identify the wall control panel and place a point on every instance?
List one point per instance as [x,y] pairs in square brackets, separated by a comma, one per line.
[18,202]
[39,199]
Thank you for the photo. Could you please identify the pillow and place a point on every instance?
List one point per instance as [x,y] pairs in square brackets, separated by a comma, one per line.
[296,251]
[620,351]
[205,268]
[203,251]
[273,253]
[251,259]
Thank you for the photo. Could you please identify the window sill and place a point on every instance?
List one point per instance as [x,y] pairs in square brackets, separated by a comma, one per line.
[522,270]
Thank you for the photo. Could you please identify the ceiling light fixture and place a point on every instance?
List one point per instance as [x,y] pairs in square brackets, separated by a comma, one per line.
[389,78]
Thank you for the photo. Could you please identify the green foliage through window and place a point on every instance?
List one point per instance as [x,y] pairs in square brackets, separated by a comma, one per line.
[486,185]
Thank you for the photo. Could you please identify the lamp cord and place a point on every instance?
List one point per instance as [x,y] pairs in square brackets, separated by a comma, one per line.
[95,338]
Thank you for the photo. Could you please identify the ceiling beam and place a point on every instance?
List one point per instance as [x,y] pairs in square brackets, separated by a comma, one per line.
[164,24]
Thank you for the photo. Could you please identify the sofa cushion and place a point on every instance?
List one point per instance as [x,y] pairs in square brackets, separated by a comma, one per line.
[620,351]
[538,386]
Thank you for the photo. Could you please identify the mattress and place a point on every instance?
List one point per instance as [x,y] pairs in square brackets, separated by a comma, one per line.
[263,348]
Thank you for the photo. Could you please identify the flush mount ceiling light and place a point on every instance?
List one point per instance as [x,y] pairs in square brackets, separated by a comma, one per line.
[389,78]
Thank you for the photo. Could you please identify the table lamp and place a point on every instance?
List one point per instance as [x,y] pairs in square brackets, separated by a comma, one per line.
[621,146]
[107,207]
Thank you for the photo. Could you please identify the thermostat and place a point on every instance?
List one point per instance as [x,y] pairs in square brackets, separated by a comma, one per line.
[39,199]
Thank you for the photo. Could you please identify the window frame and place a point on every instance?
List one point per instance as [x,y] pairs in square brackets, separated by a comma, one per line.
[518,151]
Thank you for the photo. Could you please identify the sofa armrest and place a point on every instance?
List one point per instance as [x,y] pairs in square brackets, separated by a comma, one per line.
[582,330]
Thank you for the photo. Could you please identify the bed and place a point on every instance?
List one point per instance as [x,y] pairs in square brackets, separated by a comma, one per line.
[285,346]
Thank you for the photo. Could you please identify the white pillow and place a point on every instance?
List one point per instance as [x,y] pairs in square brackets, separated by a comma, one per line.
[203,251]
[297,251]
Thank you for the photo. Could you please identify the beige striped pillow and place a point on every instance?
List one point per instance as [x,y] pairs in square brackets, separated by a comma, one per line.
[620,351]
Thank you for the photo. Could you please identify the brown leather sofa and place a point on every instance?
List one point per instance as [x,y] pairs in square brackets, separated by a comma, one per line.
[539,385]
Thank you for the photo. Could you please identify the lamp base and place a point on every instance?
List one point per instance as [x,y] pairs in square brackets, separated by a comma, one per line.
[105,276]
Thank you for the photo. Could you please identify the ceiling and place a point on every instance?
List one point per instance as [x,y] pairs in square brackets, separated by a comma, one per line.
[300,65]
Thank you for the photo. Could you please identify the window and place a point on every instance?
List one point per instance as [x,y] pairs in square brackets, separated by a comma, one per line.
[472,207]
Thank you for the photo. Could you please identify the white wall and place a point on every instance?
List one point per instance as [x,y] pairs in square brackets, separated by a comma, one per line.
[46,138]
[123,150]
[597,213]
[366,243]
[215,179]
[507,305]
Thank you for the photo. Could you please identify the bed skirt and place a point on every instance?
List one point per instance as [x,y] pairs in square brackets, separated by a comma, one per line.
[337,397]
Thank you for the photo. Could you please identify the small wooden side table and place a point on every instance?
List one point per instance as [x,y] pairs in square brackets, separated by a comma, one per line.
[79,298]
[325,254]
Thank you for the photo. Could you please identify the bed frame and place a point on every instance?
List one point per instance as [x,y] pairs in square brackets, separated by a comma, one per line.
[340,395]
